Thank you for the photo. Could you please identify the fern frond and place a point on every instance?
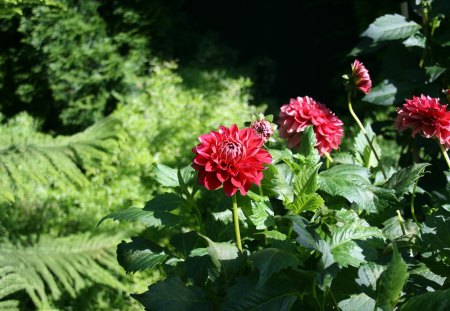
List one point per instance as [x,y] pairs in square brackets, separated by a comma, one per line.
[10,283]
[56,265]
[29,157]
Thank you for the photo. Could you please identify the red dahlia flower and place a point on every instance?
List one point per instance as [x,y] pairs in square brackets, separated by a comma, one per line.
[305,111]
[425,115]
[262,128]
[232,158]
[360,77]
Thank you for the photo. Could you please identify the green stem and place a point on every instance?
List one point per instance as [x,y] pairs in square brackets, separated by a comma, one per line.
[413,213]
[236,223]
[444,153]
[328,159]
[400,220]
[349,98]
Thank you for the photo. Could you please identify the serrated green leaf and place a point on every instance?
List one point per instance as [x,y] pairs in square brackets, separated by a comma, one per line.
[277,182]
[426,278]
[382,94]
[225,257]
[271,260]
[278,155]
[279,293]
[186,242]
[364,153]
[416,40]
[358,302]
[352,182]
[173,295]
[199,266]
[310,202]
[403,180]
[165,202]
[307,145]
[343,239]
[148,218]
[437,225]
[262,215]
[391,282]
[368,275]
[390,27]
[168,177]
[436,301]
[275,235]
[137,255]
[434,72]
[305,238]
[392,229]
[306,181]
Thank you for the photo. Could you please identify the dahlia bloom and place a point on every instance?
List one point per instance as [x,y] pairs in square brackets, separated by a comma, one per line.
[230,157]
[360,77]
[304,111]
[425,115]
[263,129]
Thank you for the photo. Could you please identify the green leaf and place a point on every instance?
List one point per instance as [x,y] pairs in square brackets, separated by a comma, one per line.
[271,260]
[277,182]
[307,145]
[390,27]
[305,238]
[310,202]
[434,72]
[368,275]
[437,225]
[364,153]
[168,177]
[225,257]
[357,303]
[437,301]
[346,251]
[148,218]
[262,215]
[306,181]
[278,155]
[164,202]
[417,39]
[173,295]
[382,94]
[186,242]
[274,235]
[279,293]
[391,282]
[199,266]
[137,255]
[403,180]
[352,182]
[392,229]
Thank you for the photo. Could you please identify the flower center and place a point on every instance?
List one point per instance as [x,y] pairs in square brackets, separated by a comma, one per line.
[231,151]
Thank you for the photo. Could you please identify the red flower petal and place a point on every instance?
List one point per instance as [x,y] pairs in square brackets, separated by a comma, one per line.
[426,116]
[231,158]
[305,111]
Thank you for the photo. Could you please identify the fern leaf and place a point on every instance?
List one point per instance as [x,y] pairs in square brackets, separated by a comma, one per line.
[32,159]
[10,283]
[56,265]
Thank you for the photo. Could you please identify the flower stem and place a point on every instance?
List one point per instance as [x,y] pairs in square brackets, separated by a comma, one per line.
[444,153]
[413,213]
[328,159]
[236,223]
[400,221]
[349,98]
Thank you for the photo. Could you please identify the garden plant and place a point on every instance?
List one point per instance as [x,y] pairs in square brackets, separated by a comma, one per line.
[129,181]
